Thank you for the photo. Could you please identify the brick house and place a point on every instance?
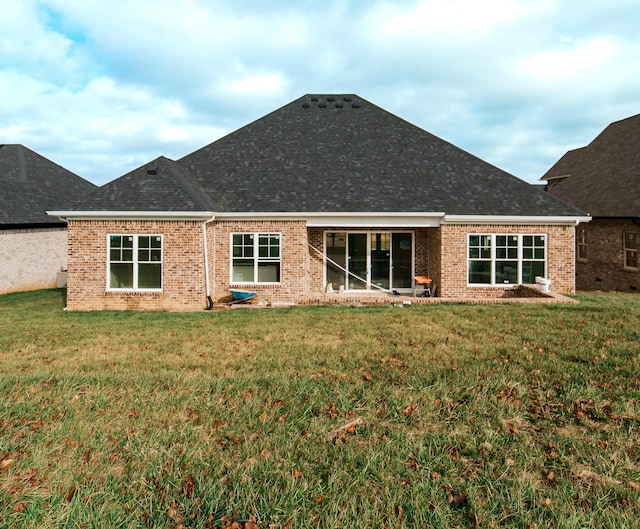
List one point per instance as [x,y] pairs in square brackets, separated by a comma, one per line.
[603,179]
[327,192]
[33,245]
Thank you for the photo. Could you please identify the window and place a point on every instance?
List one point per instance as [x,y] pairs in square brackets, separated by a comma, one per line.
[582,244]
[480,257]
[506,259]
[255,257]
[135,262]
[630,249]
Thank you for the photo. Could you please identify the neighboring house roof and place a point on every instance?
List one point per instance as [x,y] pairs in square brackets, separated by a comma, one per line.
[30,185]
[329,154]
[602,178]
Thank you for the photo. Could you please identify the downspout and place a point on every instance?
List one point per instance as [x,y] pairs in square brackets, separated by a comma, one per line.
[206,263]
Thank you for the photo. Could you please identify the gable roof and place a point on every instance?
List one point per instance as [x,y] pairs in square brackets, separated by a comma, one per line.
[334,154]
[31,184]
[602,178]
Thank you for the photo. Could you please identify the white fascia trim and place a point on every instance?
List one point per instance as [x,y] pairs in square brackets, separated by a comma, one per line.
[512,219]
[344,219]
[138,215]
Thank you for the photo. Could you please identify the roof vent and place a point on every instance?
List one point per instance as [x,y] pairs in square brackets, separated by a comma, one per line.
[152,170]
[314,99]
[355,105]
[347,99]
[322,105]
[305,105]
[331,99]
[339,105]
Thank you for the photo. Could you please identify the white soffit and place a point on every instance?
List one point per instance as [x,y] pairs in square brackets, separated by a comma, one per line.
[345,220]
[513,220]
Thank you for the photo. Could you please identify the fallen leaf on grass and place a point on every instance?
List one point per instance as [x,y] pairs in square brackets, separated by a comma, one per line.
[410,409]
[460,499]
[633,485]
[5,464]
[412,461]
[297,474]
[550,476]
[71,492]
[332,410]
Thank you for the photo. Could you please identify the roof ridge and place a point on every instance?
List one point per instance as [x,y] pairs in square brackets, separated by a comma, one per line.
[189,184]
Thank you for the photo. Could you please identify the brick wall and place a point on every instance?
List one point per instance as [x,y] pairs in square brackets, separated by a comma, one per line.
[182,269]
[440,253]
[453,248]
[294,273]
[604,266]
[31,258]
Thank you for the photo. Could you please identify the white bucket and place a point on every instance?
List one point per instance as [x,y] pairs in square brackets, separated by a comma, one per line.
[543,284]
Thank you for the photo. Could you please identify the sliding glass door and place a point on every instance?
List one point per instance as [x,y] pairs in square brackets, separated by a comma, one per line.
[369,260]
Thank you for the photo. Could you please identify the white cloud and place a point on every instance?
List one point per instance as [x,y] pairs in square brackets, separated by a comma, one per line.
[106,86]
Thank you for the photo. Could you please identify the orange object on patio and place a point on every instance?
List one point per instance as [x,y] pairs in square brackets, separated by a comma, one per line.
[423,286]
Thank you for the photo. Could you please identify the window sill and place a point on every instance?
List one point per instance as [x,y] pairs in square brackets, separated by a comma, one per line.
[133,291]
[254,285]
[496,285]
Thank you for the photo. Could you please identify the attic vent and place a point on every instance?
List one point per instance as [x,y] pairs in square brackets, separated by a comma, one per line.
[331,99]
[339,105]
[305,105]
[322,105]
[152,170]
[347,99]
[355,105]
[314,99]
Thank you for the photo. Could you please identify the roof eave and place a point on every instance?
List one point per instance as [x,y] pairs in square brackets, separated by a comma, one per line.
[138,215]
[515,219]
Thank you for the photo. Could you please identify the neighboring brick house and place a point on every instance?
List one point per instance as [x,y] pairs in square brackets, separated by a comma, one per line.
[33,245]
[329,190]
[603,179]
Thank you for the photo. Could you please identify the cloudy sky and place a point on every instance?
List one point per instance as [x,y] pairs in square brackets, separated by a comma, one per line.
[102,87]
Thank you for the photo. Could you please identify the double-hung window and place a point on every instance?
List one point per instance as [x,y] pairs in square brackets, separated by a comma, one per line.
[135,262]
[630,243]
[497,259]
[256,257]
[582,244]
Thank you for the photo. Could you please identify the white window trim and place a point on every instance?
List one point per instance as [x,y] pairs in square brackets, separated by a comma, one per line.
[256,258]
[581,242]
[494,259]
[626,249]
[135,262]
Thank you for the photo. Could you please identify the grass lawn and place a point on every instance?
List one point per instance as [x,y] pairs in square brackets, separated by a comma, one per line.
[521,416]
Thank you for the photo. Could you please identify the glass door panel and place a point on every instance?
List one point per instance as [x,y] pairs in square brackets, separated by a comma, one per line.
[380,260]
[336,250]
[357,252]
[402,255]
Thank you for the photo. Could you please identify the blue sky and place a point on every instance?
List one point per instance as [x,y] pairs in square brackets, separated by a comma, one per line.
[103,87]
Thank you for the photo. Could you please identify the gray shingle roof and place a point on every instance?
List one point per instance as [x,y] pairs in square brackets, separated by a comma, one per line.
[31,184]
[335,153]
[603,178]
[160,185]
